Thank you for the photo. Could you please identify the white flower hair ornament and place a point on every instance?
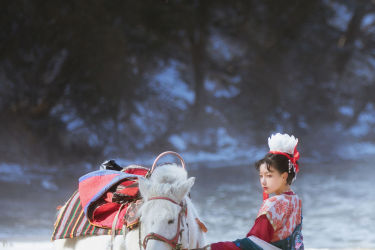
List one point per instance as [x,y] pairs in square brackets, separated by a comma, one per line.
[286,145]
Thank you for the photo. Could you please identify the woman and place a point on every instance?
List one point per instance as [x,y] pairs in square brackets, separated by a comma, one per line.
[279,220]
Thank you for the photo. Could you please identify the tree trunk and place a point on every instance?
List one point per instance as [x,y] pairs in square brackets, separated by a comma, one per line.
[198,41]
[347,40]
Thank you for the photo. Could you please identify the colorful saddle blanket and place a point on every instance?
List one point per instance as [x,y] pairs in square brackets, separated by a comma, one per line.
[100,197]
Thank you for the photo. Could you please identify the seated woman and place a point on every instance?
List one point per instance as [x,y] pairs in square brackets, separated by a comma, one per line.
[279,220]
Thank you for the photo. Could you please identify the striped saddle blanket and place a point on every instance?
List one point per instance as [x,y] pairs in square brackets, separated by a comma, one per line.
[101,196]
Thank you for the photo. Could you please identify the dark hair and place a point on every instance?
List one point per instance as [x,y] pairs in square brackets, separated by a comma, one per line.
[279,162]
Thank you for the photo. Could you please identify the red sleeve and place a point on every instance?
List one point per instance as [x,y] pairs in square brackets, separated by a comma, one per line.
[227,245]
[262,229]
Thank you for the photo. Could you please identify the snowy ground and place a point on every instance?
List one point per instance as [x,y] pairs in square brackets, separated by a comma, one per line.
[27,245]
[338,204]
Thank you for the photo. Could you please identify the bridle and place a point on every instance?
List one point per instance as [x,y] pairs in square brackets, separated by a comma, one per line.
[174,241]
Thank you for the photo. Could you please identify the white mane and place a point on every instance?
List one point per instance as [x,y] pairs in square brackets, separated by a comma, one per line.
[169,173]
[169,181]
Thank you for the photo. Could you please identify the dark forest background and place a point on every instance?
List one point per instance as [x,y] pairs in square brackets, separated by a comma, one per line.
[86,80]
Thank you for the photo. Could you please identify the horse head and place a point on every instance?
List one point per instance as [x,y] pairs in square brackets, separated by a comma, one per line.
[163,216]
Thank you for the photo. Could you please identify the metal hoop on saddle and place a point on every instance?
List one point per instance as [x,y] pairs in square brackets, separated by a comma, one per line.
[164,154]
[154,236]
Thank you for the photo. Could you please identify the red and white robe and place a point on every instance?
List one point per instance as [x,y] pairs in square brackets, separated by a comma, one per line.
[277,218]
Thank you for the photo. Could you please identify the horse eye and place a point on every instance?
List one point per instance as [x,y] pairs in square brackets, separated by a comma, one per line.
[170,221]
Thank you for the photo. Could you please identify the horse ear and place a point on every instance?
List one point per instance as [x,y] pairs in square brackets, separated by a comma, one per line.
[144,186]
[185,187]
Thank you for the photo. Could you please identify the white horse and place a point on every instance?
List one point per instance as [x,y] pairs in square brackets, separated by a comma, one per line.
[168,218]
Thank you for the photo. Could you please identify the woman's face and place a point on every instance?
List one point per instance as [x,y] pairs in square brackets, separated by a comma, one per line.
[271,180]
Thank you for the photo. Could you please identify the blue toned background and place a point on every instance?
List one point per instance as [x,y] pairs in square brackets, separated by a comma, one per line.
[126,80]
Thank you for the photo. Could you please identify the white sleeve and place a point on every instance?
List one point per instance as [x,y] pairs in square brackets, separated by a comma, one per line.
[262,243]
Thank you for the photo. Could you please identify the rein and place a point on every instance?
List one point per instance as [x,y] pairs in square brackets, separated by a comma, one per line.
[174,241]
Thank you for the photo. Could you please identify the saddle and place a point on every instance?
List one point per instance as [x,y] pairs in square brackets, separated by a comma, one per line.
[102,197]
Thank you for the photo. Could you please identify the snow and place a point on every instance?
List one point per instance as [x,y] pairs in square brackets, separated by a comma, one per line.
[368,20]
[178,142]
[221,48]
[49,185]
[220,91]
[346,110]
[342,15]
[357,150]
[20,245]
[365,123]
[10,172]
[168,83]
